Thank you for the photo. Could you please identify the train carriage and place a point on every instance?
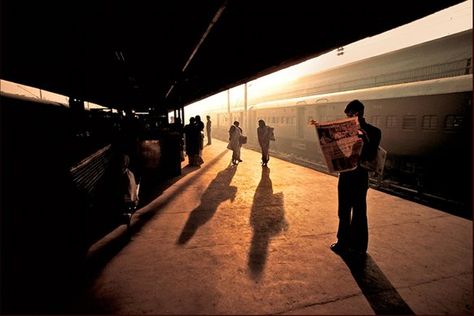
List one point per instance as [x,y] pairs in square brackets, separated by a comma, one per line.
[426,129]
[419,96]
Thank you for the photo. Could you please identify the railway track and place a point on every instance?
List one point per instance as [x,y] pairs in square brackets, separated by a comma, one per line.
[388,186]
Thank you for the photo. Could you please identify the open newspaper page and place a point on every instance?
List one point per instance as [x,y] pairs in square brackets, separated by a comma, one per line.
[340,145]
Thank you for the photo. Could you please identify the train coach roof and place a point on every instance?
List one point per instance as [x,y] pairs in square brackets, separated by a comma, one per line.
[419,88]
[165,54]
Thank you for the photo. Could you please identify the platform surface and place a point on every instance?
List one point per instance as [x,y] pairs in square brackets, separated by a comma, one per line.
[250,240]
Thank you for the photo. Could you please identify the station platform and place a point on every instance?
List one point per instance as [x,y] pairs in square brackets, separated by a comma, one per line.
[244,239]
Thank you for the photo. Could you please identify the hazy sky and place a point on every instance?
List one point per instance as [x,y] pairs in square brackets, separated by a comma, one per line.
[449,21]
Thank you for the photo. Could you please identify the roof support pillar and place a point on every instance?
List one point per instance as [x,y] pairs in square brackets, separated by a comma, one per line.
[246,121]
[228,106]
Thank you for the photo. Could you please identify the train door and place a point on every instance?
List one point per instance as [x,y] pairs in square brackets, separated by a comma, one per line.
[222,126]
[300,122]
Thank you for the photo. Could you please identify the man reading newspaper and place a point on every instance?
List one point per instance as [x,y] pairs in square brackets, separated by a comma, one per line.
[340,144]
[346,145]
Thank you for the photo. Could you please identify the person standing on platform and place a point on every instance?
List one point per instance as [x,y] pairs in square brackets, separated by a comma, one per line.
[200,128]
[127,189]
[208,129]
[177,129]
[129,140]
[234,142]
[191,134]
[353,233]
[264,134]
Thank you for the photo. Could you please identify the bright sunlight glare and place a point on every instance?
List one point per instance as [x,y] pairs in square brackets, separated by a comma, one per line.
[452,20]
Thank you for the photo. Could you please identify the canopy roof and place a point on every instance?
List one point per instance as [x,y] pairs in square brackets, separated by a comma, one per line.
[141,54]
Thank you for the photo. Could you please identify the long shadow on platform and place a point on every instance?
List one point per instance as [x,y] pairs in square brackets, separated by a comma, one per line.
[152,205]
[218,191]
[267,218]
[377,289]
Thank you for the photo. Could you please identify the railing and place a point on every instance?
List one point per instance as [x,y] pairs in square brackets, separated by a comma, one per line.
[87,173]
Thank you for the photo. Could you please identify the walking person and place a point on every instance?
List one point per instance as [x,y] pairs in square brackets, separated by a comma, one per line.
[234,142]
[353,233]
[264,134]
[208,129]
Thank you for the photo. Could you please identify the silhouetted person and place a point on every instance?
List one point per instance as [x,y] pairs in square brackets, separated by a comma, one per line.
[352,233]
[208,129]
[120,196]
[128,192]
[129,142]
[127,189]
[192,135]
[200,128]
[234,142]
[264,134]
[177,127]
[171,143]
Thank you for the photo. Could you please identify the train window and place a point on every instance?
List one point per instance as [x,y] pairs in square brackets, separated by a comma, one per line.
[376,120]
[392,121]
[454,122]
[429,122]
[409,122]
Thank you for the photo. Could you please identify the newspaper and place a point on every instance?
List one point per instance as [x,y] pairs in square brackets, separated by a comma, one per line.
[340,145]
